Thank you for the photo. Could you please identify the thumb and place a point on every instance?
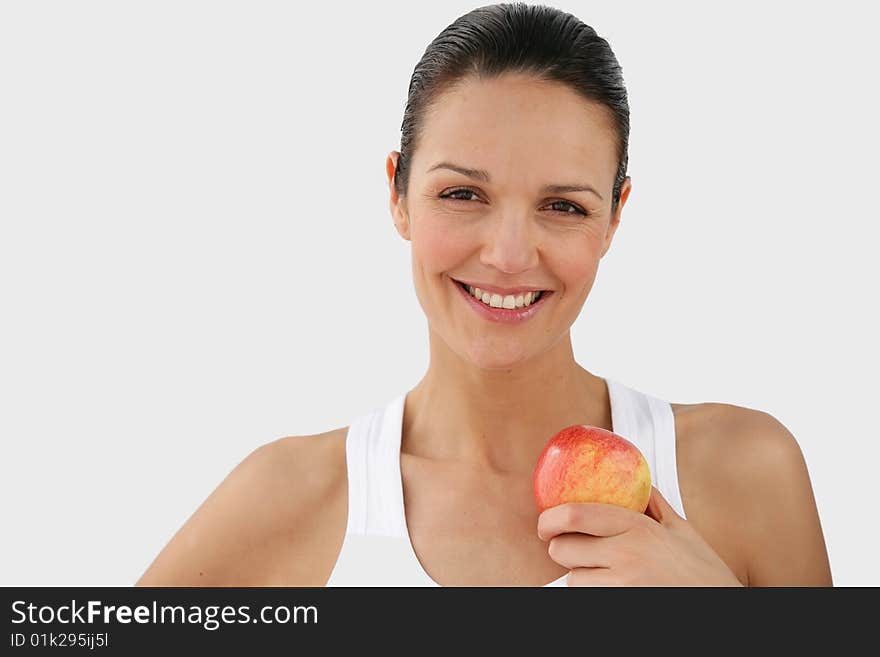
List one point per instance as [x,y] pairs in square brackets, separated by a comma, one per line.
[659,509]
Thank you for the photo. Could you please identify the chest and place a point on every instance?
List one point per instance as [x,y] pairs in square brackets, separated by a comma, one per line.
[470,529]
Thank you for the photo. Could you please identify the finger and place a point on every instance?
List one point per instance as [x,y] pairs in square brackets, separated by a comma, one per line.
[581,551]
[587,518]
[592,577]
[654,508]
[659,509]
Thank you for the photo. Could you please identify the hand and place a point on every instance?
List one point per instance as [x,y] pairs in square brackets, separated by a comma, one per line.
[607,545]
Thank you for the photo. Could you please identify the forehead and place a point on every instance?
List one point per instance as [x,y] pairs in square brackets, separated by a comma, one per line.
[518,120]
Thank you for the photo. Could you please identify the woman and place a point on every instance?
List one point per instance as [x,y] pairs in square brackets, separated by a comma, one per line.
[509,183]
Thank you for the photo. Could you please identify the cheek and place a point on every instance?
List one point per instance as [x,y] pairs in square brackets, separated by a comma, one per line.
[438,246]
[575,261]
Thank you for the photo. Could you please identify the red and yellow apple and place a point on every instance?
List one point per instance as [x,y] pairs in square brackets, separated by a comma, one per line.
[589,464]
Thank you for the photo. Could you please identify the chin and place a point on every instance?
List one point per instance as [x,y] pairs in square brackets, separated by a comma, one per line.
[488,357]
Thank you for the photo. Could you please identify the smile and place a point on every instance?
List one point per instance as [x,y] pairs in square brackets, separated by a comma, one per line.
[503,315]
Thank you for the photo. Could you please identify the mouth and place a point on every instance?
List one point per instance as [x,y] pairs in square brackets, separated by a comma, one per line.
[516,314]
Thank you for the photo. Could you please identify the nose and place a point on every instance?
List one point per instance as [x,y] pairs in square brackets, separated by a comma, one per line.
[510,245]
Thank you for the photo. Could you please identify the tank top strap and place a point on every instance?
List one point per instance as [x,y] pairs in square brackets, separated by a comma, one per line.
[372,447]
[648,422]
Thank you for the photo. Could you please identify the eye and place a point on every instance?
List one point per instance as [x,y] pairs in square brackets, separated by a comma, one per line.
[577,209]
[451,194]
[571,208]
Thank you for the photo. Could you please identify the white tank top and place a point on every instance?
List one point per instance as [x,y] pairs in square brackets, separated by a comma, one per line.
[377,550]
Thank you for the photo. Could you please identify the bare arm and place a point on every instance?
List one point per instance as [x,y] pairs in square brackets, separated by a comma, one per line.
[779,521]
[274,520]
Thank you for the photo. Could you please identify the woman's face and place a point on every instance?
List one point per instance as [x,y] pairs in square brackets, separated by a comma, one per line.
[505,229]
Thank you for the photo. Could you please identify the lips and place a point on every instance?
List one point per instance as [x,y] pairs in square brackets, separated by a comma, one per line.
[502,315]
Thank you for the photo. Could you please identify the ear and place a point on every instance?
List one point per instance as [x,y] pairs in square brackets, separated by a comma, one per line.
[397,205]
[615,219]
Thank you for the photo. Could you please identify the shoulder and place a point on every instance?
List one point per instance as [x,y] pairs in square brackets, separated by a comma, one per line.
[744,479]
[277,518]
[313,463]
[718,431]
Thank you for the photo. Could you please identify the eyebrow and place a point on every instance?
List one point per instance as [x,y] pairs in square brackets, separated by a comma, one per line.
[481,174]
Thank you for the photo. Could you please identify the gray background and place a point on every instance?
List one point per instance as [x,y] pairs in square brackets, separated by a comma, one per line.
[197,257]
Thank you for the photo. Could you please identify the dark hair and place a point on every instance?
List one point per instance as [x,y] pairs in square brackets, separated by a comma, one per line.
[521,38]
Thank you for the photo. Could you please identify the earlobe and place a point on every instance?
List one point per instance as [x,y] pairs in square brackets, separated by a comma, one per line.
[401,220]
[615,218]
[400,215]
[609,236]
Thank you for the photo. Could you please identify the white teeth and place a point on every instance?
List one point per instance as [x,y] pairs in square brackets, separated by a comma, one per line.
[497,301]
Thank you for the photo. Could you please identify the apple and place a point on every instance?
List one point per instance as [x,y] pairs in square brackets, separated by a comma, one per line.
[589,464]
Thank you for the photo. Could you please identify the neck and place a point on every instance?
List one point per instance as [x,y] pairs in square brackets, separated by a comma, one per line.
[499,419]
